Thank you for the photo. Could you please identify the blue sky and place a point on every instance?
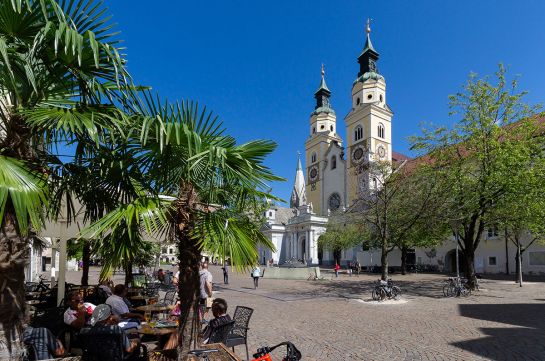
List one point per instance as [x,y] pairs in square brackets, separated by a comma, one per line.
[257,64]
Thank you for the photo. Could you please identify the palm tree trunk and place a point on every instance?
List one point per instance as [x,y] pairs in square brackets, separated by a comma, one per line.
[86,255]
[188,289]
[128,273]
[14,253]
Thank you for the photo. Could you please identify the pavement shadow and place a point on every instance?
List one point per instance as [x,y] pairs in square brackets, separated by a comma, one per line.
[430,289]
[523,341]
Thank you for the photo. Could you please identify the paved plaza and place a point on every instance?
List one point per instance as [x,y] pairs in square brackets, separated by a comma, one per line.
[336,319]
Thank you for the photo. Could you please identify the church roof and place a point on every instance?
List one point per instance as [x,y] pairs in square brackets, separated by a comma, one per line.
[282,215]
[369,75]
[326,110]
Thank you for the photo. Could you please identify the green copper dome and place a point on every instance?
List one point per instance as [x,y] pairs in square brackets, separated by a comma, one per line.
[326,110]
[369,75]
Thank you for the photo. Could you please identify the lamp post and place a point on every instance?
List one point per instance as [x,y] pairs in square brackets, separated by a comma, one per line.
[457,259]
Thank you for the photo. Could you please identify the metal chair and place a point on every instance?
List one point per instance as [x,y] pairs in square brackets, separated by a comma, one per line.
[169,298]
[220,333]
[103,343]
[239,333]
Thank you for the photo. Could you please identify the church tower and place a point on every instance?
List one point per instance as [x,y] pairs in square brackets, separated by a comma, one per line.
[323,125]
[368,125]
[299,193]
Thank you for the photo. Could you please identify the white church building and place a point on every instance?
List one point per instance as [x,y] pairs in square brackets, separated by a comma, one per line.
[337,171]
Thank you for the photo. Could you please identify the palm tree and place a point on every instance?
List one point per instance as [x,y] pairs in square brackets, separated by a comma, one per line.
[200,188]
[61,75]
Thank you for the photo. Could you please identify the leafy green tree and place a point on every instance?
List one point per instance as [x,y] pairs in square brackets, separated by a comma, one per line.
[492,143]
[60,75]
[521,212]
[343,232]
[396,212]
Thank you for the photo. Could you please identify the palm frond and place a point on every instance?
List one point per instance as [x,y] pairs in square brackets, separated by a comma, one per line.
[24,190]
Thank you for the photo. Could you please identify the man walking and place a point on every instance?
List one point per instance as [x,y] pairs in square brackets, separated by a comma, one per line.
[256,273]
[225,274]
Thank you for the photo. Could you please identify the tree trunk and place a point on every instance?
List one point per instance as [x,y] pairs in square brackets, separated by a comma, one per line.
[506,253]
[384,261]
[128,273]
[519,265]
[14,254]
[404,260]
[86,256]
[188,289]
[469,259]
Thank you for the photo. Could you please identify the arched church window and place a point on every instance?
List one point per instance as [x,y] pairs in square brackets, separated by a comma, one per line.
[333,162]
[313,130]
[313,158]
[358,133]
[380,130]
[358,101]
[331,127]
[381,98]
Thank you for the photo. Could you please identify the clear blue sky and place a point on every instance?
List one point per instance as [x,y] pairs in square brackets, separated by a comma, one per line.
[257,64]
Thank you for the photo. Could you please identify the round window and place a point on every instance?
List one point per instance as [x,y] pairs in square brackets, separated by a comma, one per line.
[370,96]
[313,173]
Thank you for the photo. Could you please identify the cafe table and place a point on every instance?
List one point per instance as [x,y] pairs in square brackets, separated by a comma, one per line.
[147,329]
[155,308]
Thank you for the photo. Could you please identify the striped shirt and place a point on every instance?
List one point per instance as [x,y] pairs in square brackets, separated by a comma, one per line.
[43,341]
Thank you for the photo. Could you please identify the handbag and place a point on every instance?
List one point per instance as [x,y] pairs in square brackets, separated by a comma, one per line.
[209,301]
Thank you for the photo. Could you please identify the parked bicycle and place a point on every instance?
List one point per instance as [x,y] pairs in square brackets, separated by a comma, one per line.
[385,289]
[292,353]
[456,287]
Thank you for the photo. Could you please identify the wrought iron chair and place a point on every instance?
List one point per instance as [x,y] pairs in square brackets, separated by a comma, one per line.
[220,333]
[239,333]
[169,298]
[103,343]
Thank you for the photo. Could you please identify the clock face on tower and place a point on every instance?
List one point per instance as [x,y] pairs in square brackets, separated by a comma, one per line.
[334,201]
[313,173]
[381,151]
[357,154]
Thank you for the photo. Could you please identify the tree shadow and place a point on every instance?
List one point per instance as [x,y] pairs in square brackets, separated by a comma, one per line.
[524,341]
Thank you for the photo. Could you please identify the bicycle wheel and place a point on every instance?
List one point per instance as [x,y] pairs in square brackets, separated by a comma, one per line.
[396,292]
[382,294]
[464,291]
[450,290]
[376,293]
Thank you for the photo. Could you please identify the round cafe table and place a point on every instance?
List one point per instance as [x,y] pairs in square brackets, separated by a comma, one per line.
[146,329]
[155,308]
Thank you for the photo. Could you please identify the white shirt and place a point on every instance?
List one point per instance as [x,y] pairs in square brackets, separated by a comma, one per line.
[119,307]
[256,272]
[71,315]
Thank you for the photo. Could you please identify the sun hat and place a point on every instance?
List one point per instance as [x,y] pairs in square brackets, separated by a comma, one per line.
[100,313]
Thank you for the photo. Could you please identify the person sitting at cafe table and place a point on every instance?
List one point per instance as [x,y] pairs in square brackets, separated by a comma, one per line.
[78,313]
[103,321]
[219,310]
[119,307]
[46,346]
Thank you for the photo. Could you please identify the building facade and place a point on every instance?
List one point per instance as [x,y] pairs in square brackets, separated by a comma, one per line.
[338,171]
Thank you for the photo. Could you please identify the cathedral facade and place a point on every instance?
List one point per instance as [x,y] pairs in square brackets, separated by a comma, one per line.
[337,172]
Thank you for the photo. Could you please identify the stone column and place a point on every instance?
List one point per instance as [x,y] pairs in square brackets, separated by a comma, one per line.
[314,247]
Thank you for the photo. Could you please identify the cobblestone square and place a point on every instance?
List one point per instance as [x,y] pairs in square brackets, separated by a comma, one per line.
[337,320]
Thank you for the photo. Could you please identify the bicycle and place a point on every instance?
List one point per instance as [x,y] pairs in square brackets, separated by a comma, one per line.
[292,353]
[454,287]
[385,289]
